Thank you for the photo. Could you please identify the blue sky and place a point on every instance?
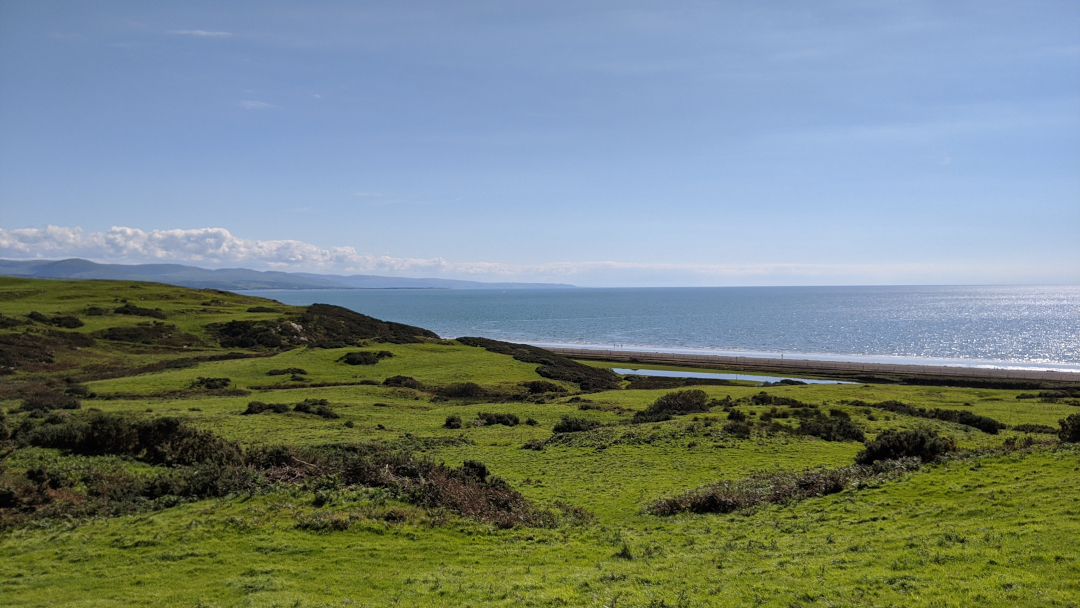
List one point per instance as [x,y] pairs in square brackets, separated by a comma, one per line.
[596,143]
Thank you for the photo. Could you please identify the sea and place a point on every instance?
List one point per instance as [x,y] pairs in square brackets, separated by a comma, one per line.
[1021,327]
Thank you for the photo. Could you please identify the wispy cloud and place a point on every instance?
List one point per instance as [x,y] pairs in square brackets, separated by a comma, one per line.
[255,105]
[217,247]
[203,33]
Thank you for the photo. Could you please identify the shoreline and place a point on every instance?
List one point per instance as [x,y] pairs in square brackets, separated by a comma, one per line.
[815,366]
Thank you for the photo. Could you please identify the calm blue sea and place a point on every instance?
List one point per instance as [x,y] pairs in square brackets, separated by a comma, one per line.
[999,326]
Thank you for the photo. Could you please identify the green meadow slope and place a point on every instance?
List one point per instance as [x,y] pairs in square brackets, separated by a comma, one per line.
[164,446]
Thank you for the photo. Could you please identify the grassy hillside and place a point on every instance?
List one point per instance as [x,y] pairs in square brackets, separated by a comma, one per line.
[137,470]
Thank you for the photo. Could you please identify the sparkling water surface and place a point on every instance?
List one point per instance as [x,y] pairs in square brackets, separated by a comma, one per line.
[1015,325]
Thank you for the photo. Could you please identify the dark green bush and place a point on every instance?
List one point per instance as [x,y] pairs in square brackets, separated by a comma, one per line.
[319,407]
[890,445]
[737,416]
[57,320]
[453,421]
[211,384]
[462,390]
[287,371]
[403,381]
[361,357]
[258,407]
[261,309]
[832,429]
[673,404]
[539,387]
[737,428]
[569,424]
[764,398]
[46,400]
[1070,429]
[165,441]
[131,309]
[1035,428]
[503,419]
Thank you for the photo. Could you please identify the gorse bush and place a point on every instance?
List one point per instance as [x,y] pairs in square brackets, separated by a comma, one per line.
[673,404]
[47,400]
[288,371]
[764,398]
[258,407]
[362,357]
[890,445]
[462,390]
[983,423]
[211,384]
[453,421]
[831,429]
[539,387]
[65,321]
[403,382]
[131,309]
[503,419]
[1070,429]
[779,488]
[570,424]
[318,407]
[164,441]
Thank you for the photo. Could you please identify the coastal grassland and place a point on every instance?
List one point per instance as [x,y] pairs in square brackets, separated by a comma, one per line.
[992,523]
[994,531]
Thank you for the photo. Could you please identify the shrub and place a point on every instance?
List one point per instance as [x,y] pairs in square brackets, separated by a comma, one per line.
[58,320]
[47,400]
[211,384]
[570,424]
[153,332]
[286,372]
[462,390]
[503,419]
[164,441]
[673,404]
[319,407]
[778,488]
[737,428]
[531,422]
[261,309]
[835,413]
[131,309]
[1070,429]
[1035,428]
[403,382]
[764,398]
[737,416]
[533,444]
[453,421]
[258,407]
[360,357]
[832,429]
[890,445]
[539,387]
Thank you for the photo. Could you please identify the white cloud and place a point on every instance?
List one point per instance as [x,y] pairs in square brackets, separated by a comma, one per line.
[203,33]
[255,105]
[217,247]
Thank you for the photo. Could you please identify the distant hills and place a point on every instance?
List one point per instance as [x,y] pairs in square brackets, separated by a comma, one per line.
[233,279]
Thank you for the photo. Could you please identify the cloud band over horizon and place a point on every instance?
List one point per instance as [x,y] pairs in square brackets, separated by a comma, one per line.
[218,247]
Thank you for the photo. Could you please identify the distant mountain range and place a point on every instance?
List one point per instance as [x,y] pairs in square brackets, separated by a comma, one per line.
[233,279]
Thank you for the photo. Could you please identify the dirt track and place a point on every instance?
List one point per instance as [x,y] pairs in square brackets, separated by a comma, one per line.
[808,366]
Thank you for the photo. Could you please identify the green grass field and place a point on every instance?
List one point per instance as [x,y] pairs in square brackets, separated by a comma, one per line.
[985,526]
